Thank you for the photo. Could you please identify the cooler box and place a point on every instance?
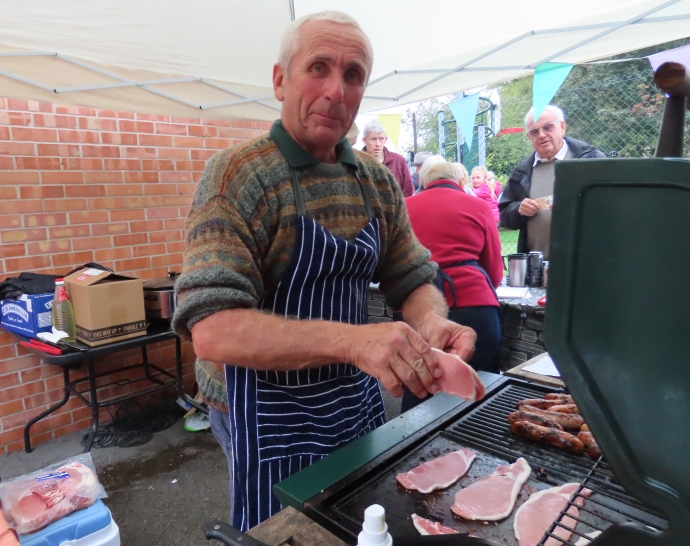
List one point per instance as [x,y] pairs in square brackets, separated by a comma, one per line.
[93,526]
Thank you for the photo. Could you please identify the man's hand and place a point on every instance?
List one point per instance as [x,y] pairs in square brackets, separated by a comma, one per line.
[529,207]
[396,355]
[448,336]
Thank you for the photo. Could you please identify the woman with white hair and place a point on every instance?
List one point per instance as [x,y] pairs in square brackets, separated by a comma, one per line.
[460,232]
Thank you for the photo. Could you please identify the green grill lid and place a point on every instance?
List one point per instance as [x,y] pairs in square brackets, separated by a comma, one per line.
[618,325]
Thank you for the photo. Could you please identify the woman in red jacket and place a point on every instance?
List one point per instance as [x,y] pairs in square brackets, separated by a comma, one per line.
[460,232]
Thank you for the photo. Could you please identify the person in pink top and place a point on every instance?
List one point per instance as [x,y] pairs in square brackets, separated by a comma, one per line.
[486,189]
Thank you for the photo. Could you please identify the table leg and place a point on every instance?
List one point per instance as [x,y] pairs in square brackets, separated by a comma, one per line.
[94,406]
[32,422]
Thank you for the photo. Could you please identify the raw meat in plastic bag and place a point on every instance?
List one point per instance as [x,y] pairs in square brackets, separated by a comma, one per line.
[36,500]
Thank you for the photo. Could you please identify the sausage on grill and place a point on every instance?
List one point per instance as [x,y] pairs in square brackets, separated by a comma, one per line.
[584,428]
[565,408]
[562,398]
[552,436]
[538,403]
[590,444]
[566,420]
[532,418]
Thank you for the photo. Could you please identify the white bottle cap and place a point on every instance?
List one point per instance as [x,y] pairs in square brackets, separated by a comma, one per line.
[374,530]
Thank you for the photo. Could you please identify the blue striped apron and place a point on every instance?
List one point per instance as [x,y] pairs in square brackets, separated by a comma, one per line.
[283,421]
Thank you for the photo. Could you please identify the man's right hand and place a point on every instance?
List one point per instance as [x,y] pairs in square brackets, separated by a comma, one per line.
[396,355]
[529,207]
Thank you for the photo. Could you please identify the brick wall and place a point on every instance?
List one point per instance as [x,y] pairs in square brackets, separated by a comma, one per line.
[84,185]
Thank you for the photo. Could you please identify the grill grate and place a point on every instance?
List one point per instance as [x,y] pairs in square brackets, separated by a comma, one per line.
[487,426]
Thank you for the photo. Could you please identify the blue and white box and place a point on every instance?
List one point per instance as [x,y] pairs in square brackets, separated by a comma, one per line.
[28,315]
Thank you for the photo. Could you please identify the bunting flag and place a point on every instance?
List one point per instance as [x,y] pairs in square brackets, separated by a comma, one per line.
[678,55]
[465,111]
[391,125]
[548,78]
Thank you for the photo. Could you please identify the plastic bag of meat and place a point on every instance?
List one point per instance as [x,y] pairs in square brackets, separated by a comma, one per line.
[32,501]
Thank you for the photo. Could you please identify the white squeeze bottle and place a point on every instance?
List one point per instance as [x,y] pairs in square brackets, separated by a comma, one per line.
[374,529]
[63,311]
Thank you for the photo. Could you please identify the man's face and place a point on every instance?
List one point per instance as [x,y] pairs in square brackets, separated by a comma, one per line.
[374,143]
[324,87]
[546,135]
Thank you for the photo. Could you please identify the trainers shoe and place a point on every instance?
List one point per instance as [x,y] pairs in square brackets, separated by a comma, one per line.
[196,421]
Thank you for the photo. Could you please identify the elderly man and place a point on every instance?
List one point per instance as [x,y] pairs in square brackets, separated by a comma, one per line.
[533,179]
[374,139]
[284,235]
[417,162]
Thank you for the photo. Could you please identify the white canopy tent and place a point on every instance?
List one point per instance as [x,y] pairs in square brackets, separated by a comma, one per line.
[214,58]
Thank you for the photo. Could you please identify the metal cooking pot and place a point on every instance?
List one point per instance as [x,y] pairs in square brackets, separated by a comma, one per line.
[160,298]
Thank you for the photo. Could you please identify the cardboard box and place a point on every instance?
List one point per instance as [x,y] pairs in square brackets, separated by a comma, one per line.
[107,307]
[28,315]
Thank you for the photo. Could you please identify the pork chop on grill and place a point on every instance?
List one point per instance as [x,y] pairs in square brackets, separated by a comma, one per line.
[428,527]
[459,378]
[493,497]
[438,473]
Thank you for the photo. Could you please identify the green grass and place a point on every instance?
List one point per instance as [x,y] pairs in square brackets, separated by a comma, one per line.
[509,240]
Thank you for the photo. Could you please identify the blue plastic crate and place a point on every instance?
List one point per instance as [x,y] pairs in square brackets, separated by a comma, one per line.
[29,315]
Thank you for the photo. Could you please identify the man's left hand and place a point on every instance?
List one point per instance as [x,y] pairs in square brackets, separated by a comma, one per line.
[448,336]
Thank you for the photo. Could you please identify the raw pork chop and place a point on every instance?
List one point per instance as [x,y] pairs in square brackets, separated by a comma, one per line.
[536,515]
[35,503]
[438,473]
[428,527]
[458,378]
[493,497]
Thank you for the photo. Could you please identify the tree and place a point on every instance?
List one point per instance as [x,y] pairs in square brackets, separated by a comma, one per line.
[504,152]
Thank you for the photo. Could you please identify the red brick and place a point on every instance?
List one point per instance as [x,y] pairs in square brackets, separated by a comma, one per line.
[177,200]
[98,124]
[15,406]
[8,351]
[138,152]
[175,223]
[63,150]
[173,153]
[72,259]
[66,205]
[142,201]
[19,235]
[126,215]
[187,189]
[63,177]
[49,247]
[34,374]
[141,176]
[152,117]
[17,104]
[165,236]
[167,259]
[110,229]
[105,177]
[51,120]
[114,253]
[4,131]
[10,221]
[117,190]
[146,226]
[171,129]
[88,217]
[157,165]
[106,113]
[64,232]
[131,264]
[17,148]
[135,126]
[86,190]
[90,137]
[12,251]
[41,192]
[190,165]
[201,154]
[148,250]
[202,130]
[53,219]
[188,142]
[92,243]
[21,391]
[76,164]
[155,140]
[19,177]
[125,115]
[28,263]
[120,138]
[15,118]
[131,240]
[8,192]
[67,109]
[26,163]
[232,132]
[100,151]
[122,164]
[176,176]
[218,143]
[21,418]
[6,163]
[34,135]
[175,247]
[245,124]
[160,189]
[10,438]
[107,203]
[18,364]
[49,163]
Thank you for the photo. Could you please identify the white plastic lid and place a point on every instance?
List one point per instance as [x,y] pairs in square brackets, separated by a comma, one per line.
[374,529]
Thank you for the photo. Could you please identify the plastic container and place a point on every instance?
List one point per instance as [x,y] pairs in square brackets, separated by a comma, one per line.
[63,311]
[374,529]
[93,526]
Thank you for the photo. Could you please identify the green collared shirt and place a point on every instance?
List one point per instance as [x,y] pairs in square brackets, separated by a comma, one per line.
[296,156]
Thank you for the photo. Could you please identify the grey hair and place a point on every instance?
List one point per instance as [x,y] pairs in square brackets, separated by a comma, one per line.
[290,41]
[555,110]
[374,126]
[429,166]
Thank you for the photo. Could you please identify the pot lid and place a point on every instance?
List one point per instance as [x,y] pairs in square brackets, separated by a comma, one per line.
[162,283]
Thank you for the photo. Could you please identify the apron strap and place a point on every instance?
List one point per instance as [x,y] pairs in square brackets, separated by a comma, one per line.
[442,277]
[299,201]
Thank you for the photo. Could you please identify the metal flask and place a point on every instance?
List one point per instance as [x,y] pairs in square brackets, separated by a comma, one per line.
[517,269]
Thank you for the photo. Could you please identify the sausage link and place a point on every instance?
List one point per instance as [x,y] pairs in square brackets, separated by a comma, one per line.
[562,398]
[590,444]
[566,420]
[538,403]
[565,408]
[558,438]
[584,428]
[532,418]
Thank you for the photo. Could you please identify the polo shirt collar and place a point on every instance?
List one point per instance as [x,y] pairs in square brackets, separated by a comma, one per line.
[296,156]
[559,156]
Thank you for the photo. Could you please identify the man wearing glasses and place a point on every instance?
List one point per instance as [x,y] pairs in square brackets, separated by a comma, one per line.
[525,203]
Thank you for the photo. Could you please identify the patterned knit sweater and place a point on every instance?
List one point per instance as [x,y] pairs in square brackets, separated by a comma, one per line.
[241,230]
